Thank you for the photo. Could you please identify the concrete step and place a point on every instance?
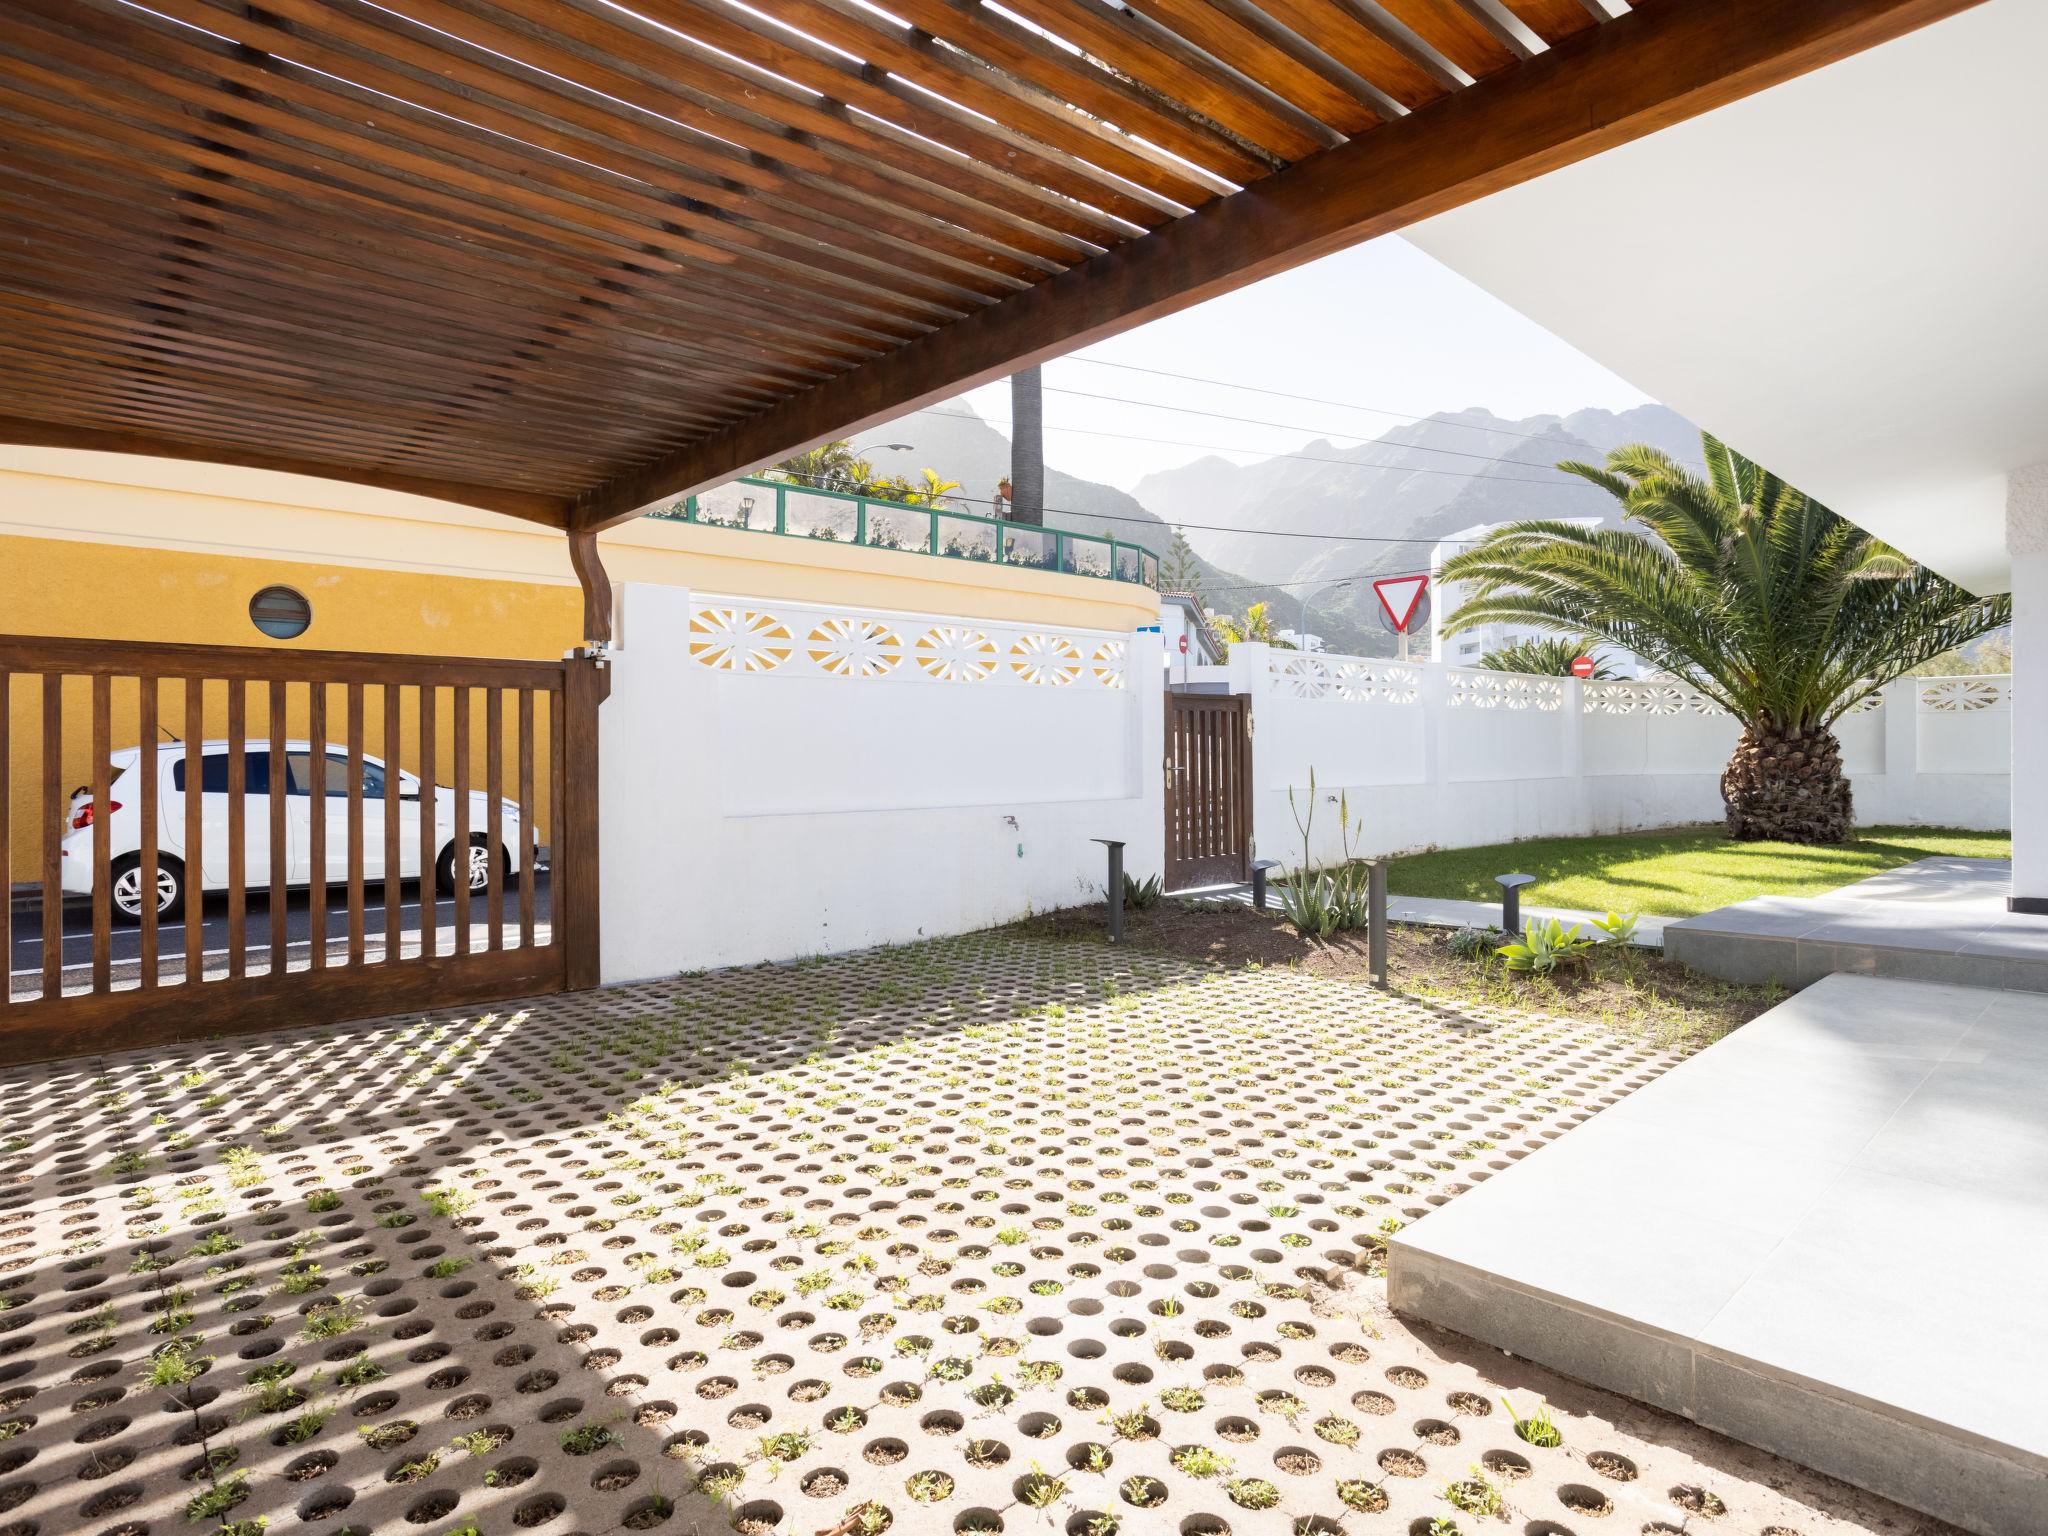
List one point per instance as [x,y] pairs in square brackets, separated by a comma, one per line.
[1823,1236]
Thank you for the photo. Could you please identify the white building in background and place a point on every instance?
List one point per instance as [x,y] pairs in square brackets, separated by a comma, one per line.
[1466,647]
[1301,640]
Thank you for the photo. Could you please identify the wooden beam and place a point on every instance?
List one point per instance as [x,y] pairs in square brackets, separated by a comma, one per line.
[23,432]
[588,563]
[1663,62]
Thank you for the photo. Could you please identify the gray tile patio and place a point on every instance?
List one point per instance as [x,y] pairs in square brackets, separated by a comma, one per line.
[1826,1234]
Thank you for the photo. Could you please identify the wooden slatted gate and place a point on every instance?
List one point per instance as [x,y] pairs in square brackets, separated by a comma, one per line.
[492,780]
[1208,789]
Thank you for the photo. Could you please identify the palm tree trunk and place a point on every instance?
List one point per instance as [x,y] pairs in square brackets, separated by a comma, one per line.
[1027,447]
[1787,786]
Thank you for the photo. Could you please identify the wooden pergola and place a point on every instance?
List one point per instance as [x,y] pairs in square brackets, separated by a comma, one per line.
[561,258]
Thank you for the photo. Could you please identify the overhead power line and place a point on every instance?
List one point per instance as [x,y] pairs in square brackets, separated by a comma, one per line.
[1342,405]
[1564,482]
[1290,426]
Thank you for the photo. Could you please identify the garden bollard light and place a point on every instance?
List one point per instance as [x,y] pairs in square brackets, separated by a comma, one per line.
[1114,893]
[1511,900]
[1376,920]
[1259,868]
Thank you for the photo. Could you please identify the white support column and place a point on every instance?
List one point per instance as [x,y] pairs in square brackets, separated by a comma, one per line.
[1145,676]
[1434,700]
[657,787]
[2026,538]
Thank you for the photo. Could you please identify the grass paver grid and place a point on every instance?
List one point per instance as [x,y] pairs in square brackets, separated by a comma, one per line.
[917,1240]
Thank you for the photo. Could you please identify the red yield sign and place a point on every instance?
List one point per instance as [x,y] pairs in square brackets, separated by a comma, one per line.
[1399,596]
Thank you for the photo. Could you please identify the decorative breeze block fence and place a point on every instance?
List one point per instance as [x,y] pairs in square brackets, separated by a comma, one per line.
[1427,755]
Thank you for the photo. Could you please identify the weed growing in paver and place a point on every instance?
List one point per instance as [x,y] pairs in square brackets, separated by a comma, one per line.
[1537,1429]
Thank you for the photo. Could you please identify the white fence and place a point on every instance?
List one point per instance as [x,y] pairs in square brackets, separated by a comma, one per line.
[1454,757]
[783,779]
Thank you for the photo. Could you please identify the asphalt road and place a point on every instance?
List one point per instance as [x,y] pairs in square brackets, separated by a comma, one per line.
[25,955]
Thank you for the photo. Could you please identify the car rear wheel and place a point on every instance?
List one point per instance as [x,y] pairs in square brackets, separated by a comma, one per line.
[477,866]
[126,887]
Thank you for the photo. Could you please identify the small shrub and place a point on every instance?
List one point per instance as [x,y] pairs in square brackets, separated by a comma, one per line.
[1470,943]
[1141,894]
[1620,927]
[1545,945]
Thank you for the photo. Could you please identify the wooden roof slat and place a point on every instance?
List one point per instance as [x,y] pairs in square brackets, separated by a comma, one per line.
[149,393]
[577,379]
[537,148]
[261,354]
[389,60]
[928,82]
[1362,47]
[582,47]
[1157,55]
[1554,20]
[642,224]
[83,143]
[1468,38]
[462,202]
[235,254]
[1065,76]
[1234,31]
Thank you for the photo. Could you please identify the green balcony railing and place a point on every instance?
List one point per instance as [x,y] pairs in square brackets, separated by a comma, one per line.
[798,511]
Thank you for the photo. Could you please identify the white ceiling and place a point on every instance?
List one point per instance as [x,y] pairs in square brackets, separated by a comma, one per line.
[1845,277]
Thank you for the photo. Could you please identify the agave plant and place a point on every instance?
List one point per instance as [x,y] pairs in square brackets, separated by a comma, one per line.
[1777,609]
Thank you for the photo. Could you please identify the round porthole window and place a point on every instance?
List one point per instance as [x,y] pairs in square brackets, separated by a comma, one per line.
[280,613]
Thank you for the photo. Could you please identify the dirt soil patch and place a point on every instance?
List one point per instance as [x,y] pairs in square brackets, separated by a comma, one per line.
[1633,990]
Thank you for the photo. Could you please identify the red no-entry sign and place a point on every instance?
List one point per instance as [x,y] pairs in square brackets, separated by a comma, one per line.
[1582,666]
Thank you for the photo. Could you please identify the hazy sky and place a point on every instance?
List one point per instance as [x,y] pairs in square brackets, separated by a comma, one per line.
[1380,325]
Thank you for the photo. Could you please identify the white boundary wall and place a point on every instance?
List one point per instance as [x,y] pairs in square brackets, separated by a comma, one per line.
[782,779]
[1451,757]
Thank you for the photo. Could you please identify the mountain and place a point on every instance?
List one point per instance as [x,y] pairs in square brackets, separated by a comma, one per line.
[1409,487]
[956,442]
[1253,526]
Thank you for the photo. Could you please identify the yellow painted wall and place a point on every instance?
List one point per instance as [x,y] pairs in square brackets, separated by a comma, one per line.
[103,546]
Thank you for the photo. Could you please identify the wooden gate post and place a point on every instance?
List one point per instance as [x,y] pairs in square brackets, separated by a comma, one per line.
[587,684]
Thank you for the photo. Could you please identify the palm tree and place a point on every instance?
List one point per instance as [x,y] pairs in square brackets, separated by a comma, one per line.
[1256,626]
[1778,610]
[1548,656]
[931,490]
[828,467]
[1027,447]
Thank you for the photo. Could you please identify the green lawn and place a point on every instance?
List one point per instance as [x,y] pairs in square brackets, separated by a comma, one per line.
[1677,873]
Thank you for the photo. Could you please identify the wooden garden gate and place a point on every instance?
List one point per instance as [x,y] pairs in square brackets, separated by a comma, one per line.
[1208,789]
[499,757]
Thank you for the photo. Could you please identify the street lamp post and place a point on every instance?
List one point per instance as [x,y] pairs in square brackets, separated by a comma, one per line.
[1301,629]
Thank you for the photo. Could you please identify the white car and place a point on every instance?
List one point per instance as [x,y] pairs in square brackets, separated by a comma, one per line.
[124,795]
